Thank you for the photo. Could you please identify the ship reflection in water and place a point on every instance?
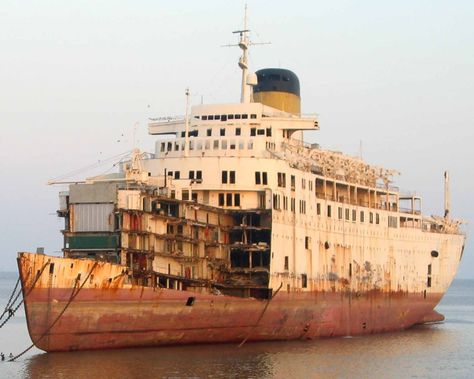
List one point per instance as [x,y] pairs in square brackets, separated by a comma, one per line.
[419,352]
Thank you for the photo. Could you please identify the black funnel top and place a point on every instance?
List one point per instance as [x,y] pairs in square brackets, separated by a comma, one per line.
[277,79]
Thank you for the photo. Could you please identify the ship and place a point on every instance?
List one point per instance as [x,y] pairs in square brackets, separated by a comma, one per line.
[235,230]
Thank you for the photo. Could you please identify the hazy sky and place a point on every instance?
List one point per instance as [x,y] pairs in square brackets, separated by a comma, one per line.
[76,76]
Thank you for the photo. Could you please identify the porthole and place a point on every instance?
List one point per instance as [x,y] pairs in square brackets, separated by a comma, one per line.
[434,253]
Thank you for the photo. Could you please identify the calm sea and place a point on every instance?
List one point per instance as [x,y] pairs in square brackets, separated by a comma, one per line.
[437,351]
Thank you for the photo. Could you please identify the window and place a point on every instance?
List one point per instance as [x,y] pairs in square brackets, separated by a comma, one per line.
[303,206]
[217,117]
[253,132]
[228,199]
[264,178]
[318,208]
[232,144]
[199,175]
[269,132]
[392,222]
[285,203]
[224,177]
[253,116]
[207,144]
[185,194]
[237,199]
[250,145]
[304,281]
[303,183]
[210,117]
[223,117]
[329,211]
[224,144]
[347,214]
[245,116]
[261,132]
[232,177]
[204,118]
[176,175]
[362,216]
[377,218]
[371,217]
[191,175]
[237,117]
[354,215]
[293,205]
[281,176]
[310,185]
[221,199]
[286,263]
[237,131]
[293,182]
[339,213]
[230,116]
[216,144]
[307,242]
[209,132]
[257,177]
[170,173]
[222,132]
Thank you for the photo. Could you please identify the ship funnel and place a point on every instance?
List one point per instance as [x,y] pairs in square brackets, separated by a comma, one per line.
[278,88]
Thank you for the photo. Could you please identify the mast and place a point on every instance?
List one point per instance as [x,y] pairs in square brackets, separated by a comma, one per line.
[243,61]
[247,80]
[446,195]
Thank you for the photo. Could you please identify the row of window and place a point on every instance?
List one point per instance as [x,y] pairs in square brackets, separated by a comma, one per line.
[281,180]
[261,178]
[228,177]
[348,215]
[225,117]
[197,175]
[225,199]
[277,204]
[206,145]
[237,132]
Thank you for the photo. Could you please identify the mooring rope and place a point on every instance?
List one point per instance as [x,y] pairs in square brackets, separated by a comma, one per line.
[261,316]
[11,311]
[9,303]
[71,298]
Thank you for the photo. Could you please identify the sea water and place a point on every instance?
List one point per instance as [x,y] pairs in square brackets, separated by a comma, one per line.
[431,351]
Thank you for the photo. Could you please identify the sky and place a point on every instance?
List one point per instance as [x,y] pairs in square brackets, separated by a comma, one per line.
[393,81]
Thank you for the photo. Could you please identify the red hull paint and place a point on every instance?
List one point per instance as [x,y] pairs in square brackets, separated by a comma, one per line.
[143,316]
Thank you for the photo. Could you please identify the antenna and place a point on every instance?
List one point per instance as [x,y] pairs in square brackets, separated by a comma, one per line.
[244,44]
[186,124]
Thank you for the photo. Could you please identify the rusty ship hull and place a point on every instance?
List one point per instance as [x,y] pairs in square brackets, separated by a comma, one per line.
[106,313]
